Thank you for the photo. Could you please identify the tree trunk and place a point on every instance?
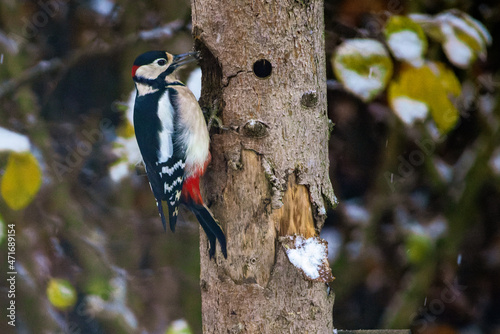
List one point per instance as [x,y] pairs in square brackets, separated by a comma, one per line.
[263,66]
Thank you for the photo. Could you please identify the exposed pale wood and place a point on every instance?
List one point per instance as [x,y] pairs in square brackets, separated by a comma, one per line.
[269,170]
[295,216]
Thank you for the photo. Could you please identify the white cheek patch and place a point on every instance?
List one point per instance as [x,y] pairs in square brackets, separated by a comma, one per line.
[151,71]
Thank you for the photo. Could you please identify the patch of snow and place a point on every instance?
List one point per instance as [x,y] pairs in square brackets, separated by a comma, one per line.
[156,33]
[12,141]
[448,19]
[307,255]
[433,131]
[353,249]
[444,170]
[130,106]
[367,47]
[487,103]
[457,51]
[459,259]
[495,161]
[194,82]
[119,171]
[103,7]
[334,239]
[356,212]
[409,110]
[407,46]
[179,325]
[464,164]
[481,29]
[131,148]
[419,18]
[437,228]
[364,87]
[128,150]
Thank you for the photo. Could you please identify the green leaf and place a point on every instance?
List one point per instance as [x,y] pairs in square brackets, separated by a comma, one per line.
[125,129]
[21,181]
[418,248]
[363,66]
[98,286]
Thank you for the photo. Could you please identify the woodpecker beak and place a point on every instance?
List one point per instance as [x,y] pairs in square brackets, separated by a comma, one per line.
[185,58]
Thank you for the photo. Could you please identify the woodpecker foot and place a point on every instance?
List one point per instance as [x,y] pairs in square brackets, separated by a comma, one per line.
[213,119]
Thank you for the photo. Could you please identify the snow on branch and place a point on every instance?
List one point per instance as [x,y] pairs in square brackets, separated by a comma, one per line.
[310,256]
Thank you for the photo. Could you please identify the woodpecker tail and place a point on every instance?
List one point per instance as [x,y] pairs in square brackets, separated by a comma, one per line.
[172,216]
[173,211]
[162,215]
[210,226]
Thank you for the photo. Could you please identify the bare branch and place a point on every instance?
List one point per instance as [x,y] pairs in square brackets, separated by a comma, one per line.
[57,65]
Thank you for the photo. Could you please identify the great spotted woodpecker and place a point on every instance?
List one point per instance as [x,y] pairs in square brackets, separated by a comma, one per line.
[173,139]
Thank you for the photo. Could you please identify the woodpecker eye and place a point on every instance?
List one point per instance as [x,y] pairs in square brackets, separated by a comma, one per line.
[161,62]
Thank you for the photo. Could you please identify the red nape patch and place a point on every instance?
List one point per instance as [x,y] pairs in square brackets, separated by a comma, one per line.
[134,68]
[191,190]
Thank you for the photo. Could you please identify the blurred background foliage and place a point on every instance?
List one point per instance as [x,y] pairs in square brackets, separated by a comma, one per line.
[415,240]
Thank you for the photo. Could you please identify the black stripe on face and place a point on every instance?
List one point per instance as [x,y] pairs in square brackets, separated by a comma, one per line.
[154,83]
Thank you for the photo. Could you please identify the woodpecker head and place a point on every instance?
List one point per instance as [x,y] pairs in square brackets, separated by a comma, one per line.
[158,67]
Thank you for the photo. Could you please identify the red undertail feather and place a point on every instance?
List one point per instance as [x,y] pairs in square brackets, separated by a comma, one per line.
[191,185]
[191,190]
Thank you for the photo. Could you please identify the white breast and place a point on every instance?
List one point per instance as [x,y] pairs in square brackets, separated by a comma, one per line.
[194,134]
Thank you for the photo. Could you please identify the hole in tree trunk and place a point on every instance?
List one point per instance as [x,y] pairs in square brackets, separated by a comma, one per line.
[262,68]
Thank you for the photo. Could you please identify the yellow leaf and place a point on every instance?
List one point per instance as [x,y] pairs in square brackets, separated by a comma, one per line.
[21,181]
[447,77]
[61,293]
[126,129]
[444,112]
[420,89]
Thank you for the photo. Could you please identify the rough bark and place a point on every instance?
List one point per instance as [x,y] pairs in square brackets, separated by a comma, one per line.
[269,172]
